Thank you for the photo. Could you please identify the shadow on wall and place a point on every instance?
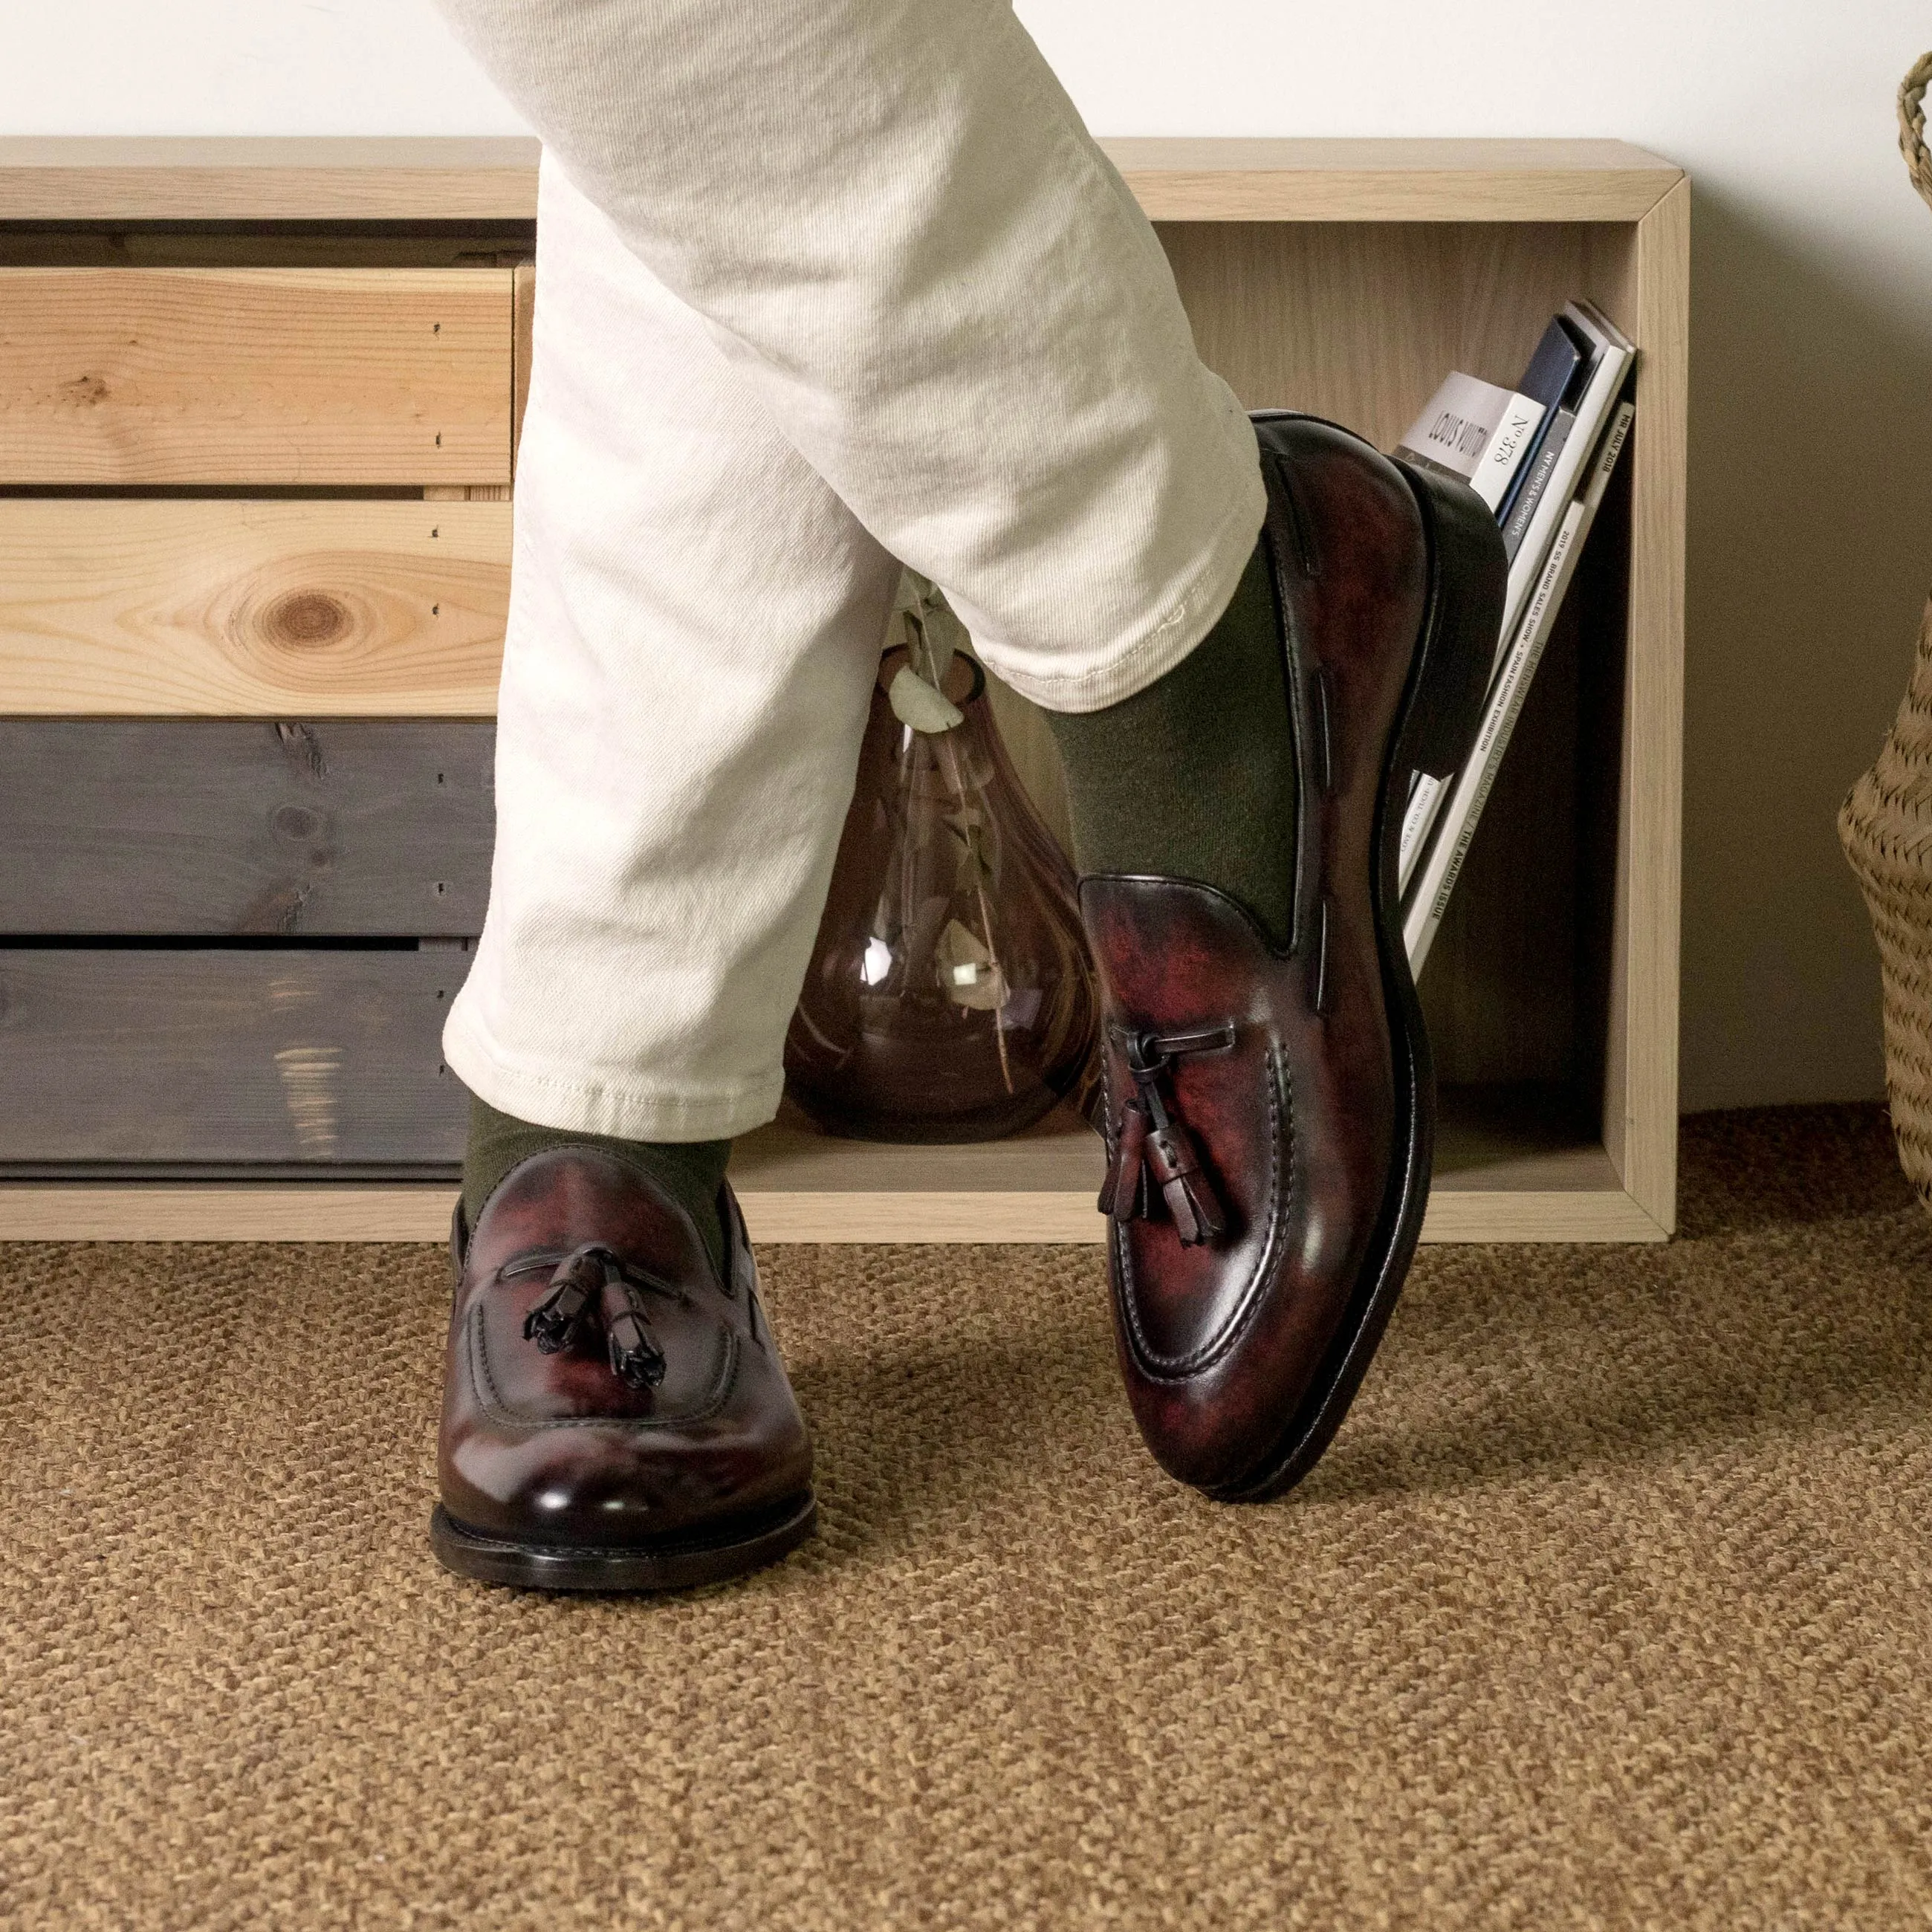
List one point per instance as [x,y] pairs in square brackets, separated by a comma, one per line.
[1811,552]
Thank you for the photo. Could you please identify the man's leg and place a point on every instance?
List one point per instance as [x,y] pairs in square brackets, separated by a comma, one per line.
[896,227]
[695,627]
[893,225]
[896,223]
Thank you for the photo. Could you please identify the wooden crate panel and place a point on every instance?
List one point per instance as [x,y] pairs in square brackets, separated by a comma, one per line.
[205,826]
[239,1058]
[112,376]
[128,608]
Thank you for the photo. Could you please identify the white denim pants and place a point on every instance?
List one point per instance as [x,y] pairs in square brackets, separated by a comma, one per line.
[820,287]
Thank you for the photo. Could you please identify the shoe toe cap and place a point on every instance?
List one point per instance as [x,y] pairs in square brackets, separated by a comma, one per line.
[614,1485]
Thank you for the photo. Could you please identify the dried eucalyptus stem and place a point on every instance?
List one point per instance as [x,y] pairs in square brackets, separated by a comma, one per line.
[933,635]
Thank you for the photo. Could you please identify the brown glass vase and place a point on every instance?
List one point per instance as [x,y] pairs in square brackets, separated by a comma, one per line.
[951,996]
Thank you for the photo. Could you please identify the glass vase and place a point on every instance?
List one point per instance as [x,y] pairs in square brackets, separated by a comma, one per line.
[951,996]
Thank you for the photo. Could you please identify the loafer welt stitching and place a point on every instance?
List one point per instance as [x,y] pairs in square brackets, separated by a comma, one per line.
[1180,1368]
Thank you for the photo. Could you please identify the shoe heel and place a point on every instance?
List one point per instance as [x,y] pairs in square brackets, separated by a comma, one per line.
[1469,583]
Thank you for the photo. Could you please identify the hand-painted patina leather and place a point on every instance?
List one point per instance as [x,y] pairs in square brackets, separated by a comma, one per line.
[1293,1085]
[616,1415]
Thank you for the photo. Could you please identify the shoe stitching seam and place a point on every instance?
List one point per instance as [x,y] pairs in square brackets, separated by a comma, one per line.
[1180,1368]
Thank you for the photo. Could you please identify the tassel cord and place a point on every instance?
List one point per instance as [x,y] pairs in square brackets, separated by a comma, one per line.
[594,1284]
[1151,1145]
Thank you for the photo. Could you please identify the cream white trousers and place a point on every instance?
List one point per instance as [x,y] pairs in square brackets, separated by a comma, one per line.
[821,287]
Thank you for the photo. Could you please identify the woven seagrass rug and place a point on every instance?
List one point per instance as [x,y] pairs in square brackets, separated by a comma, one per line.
[1609,1607]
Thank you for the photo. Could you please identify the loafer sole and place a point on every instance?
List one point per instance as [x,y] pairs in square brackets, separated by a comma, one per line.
[677,1563]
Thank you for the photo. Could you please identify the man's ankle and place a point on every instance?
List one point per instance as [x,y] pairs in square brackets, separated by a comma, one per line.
[1194,777]
[691,1172]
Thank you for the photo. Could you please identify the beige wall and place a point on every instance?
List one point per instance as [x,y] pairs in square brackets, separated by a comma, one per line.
[1811,414]
[1808,573]
[1811,404]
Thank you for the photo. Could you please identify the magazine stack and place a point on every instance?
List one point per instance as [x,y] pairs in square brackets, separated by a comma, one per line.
[1540,456]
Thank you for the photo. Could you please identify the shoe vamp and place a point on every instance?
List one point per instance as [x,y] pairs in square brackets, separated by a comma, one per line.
[1181,1302]
[1291,1125]
[523,1387]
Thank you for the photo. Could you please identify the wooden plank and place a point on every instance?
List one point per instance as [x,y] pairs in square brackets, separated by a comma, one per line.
[1510,1168]
[946,1218]
[1608,1214]
[522,349]
[243,1057]
[311,376]
[1513,1172]
[204,826]
[244,1211]
[1525,1137]
[343,245]
[1061,1155]
[1515,1215]
[1513,1168]
[1644,986]
[168,608]
[1190,179]
[132,1211]
[221,178]
[1358,321]
[1222,179]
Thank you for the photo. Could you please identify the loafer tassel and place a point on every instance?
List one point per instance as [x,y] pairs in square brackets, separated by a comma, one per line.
[1150,1141]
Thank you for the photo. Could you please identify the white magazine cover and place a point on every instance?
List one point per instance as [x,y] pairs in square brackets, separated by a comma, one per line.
[1475,430]
[1456,826]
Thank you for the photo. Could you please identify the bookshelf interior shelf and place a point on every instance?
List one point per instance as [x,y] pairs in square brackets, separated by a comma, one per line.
[1342,277]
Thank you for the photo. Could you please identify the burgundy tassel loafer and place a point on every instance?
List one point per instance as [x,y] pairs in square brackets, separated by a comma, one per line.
[615,1415]
[1270,1111]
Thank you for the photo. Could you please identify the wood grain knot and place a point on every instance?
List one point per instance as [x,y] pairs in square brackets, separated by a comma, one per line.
[297,822]
[307,619]
[303,744]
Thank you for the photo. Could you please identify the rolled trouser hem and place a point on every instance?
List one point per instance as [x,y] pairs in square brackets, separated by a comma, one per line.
[638,1112]
[1195,609]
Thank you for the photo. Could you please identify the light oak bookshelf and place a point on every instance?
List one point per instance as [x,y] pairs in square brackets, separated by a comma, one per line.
[1344,277]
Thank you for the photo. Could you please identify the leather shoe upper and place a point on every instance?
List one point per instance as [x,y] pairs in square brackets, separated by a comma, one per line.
[1251,1098]
[605,1387]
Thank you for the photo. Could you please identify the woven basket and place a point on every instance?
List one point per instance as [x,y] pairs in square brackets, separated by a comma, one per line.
[1886,825]
[1912,126]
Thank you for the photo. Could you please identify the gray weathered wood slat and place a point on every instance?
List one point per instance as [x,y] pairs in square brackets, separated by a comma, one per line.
[235,1056]
[193,827]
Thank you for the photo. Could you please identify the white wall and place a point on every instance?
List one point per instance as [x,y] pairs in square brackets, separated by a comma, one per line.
[1811,538]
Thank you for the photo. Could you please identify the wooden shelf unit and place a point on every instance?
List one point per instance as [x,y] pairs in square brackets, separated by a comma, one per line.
[1344,277]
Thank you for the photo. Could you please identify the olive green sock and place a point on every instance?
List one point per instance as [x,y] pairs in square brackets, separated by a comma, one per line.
[1194,777]
[690,1172]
